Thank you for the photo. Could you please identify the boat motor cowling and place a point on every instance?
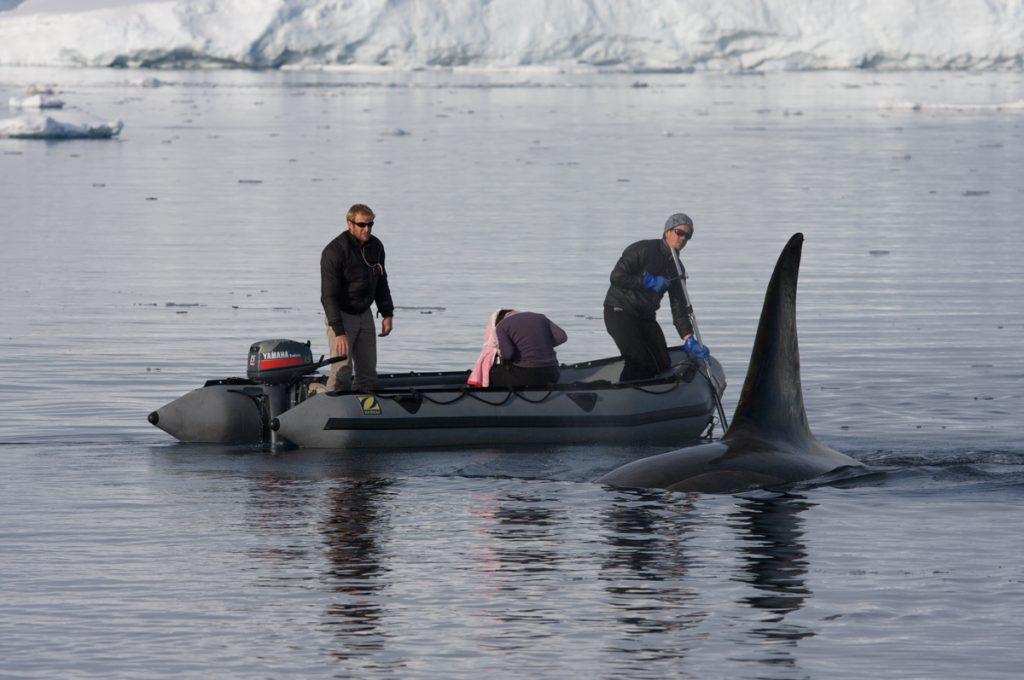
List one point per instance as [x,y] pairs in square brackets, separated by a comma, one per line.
[280,362]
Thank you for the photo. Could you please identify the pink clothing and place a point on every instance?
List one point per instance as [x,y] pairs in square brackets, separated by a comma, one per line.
[480,376]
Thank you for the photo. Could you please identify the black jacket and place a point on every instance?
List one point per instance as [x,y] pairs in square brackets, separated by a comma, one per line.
[352,276]
[627,291]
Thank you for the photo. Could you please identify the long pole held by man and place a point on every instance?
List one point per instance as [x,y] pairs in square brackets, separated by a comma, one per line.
[700,343]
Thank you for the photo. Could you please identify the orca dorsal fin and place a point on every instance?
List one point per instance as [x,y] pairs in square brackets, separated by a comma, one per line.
[771,403]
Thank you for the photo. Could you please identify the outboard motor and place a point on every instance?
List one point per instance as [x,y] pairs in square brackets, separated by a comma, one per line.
[279,362]
[279,365]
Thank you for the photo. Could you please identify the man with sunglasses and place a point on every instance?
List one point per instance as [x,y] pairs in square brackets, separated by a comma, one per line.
[352,277]
[638,283]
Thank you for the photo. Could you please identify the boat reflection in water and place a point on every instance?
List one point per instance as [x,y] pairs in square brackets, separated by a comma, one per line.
[400,572]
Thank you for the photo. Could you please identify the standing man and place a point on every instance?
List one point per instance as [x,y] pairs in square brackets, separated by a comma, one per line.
[352,277]
[638,283]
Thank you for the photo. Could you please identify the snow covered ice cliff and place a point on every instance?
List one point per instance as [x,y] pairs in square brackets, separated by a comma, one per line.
[639,35]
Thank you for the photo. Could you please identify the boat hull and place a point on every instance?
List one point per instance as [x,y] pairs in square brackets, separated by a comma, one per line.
[215,414]
[421,410]
[665,413]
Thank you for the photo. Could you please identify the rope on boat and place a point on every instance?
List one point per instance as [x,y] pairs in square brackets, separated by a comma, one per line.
[508,397]
[473,395]
[533,401]
[423,395]
[513,392]
[641,389]
[459,397]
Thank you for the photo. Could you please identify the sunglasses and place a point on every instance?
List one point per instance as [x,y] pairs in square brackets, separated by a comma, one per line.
[683,232]
[363,225]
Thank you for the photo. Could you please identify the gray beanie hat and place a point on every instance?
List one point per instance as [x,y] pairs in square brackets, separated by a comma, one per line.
[678,220]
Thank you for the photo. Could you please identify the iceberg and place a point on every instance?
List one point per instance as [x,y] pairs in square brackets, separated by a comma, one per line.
[36,101]
[39,126]
[625,35]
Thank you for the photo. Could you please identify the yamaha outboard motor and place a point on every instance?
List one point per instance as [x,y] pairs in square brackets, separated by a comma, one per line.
[279,365]
[279,362]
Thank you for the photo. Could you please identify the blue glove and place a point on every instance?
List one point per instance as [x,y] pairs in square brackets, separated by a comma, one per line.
[655,283]
[695,349]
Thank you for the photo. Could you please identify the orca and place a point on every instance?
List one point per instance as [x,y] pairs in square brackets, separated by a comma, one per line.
[769,443]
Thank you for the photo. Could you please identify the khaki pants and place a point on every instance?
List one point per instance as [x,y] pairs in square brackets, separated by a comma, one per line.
[362,353]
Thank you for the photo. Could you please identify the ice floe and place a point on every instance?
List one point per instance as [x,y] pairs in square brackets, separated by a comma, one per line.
[148,82]
[44,126]
[922,106]
[41,88]
[36,101]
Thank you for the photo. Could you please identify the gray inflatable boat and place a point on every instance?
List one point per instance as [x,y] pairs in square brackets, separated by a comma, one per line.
[283,402]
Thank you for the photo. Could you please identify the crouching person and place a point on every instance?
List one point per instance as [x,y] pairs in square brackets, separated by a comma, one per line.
[526,343]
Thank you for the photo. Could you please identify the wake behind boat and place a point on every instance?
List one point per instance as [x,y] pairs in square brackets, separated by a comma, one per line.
[282,402]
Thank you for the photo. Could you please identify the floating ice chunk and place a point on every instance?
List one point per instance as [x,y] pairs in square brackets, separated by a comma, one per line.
[148,82]
[920,106]
[36,101]
[41,88]
[39,126]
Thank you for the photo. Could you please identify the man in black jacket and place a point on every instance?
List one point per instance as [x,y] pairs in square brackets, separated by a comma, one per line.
[352,277]
[638,283]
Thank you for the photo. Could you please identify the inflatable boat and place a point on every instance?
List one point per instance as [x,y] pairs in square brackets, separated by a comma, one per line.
[283,401]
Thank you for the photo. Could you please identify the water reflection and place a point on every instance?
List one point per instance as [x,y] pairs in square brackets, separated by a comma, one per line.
[774,563]
[523,529]
[641,529]
[663,547]
[352,527]
[522,561]
[646,573]
[278,509]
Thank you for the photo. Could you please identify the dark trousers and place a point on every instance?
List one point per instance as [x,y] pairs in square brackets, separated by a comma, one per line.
[510,375]
[641,342]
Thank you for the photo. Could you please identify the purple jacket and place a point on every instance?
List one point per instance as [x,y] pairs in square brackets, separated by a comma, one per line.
[528,339]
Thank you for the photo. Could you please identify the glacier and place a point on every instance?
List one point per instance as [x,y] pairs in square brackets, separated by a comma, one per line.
[623,35]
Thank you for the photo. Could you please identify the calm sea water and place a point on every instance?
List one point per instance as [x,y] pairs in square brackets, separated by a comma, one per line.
[135,269]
